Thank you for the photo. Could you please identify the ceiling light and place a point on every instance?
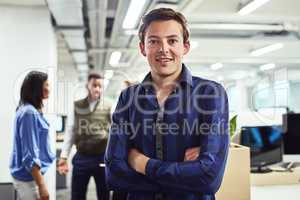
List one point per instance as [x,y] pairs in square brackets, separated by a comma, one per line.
[251,6]
[133,13]
[239,27]
[115,58]
[216,66]
[267,67]
[266,49]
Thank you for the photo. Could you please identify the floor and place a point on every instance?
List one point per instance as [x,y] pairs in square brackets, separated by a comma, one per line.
[64,194]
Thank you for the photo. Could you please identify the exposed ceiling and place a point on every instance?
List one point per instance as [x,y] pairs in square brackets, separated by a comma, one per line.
[92,30]
[218,34]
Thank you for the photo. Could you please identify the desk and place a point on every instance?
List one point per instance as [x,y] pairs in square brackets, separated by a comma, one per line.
[276,185]
[276,178]
[275,192]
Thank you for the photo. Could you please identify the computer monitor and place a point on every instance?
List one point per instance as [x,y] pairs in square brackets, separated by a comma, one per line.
[265,144]
[60,123]
[291,137]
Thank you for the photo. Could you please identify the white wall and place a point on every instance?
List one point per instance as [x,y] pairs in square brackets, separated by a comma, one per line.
[27,41]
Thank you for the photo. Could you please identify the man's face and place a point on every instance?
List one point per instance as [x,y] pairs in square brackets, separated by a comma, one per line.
[164,47]
[95,88]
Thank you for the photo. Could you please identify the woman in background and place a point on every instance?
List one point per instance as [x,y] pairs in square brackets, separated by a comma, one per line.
[31,156]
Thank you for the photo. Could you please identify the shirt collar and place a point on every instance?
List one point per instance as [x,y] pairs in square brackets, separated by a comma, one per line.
[90,101]
[185,77]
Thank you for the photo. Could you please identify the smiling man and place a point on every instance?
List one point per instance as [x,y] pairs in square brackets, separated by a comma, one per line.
[169,135]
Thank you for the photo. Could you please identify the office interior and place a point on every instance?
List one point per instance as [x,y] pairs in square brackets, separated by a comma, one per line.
[251,47]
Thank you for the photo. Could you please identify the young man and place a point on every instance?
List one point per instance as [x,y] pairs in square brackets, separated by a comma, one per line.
[88,129]
[169,135]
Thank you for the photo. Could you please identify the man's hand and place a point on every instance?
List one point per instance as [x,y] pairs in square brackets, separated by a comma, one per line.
[62,166]
[137,160]
[43,192]
[191,154]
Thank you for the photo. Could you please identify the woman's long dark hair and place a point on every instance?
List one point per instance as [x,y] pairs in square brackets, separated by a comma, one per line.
[32,89]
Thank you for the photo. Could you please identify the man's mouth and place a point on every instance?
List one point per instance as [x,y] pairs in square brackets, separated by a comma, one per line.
[163,59]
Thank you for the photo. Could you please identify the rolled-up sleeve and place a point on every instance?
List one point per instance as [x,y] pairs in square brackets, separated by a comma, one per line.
[30,139]
[119,175]
[205,174]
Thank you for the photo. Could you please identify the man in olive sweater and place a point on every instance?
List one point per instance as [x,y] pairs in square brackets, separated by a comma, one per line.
[87,128]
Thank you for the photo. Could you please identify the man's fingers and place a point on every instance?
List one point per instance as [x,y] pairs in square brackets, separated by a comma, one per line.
[192,151]
[192,156]
[63,169]
[63,172]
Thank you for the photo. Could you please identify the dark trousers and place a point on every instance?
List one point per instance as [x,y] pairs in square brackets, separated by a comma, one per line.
[81,178]
[119,196]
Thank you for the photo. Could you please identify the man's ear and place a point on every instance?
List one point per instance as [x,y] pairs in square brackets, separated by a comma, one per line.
[142,48]
[187,47]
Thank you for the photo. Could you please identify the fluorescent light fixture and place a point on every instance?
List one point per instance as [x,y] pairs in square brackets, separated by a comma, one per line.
[115,58]
[267,67]
[266,49]
[133,13]
[216,66]
[237,26]
[251,6]
[108,74]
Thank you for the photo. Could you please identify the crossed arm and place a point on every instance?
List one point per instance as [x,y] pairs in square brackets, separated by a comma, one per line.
[138,161]
[202,171]
[130,170]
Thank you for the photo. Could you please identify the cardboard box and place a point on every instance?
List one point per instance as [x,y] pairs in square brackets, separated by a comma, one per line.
[236,181]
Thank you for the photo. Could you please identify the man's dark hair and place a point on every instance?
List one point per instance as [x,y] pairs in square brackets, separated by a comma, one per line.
[95,76]
[163,14]
[32,89]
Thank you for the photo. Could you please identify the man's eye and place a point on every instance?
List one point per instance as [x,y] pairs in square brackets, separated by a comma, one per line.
[152,41]
[172,41]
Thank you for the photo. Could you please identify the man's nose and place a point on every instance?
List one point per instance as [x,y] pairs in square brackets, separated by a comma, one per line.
[164,47]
